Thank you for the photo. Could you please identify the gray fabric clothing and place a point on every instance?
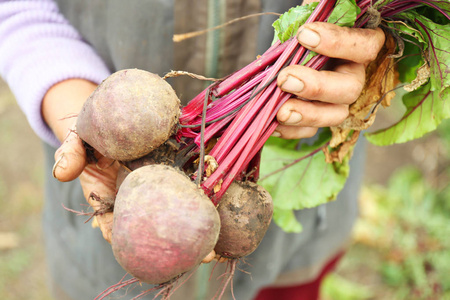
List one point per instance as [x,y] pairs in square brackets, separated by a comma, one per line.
[138,34]
[130,34]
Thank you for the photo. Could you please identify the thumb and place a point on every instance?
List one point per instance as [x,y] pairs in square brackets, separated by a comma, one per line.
[70,158]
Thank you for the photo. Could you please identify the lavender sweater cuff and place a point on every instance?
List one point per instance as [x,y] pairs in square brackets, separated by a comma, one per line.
[39,49]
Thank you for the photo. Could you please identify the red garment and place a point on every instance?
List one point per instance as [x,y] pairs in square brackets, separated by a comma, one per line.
[306,291]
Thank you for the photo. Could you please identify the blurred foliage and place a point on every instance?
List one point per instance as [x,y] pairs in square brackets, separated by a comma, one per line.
[404,231]
[336,287]
[444,133]
[22,260]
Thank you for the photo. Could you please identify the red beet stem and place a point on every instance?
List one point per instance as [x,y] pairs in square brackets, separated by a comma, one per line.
[237,78]
[250,128]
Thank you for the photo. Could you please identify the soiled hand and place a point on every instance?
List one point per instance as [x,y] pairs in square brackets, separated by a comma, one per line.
[322,98]
[98,178]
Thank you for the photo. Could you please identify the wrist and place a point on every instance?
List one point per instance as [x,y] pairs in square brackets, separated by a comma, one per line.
[62,103]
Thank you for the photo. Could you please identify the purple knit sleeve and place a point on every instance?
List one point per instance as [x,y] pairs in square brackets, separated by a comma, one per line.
[39,48]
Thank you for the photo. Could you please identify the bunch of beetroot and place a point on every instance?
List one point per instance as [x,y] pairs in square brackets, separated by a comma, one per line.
[188,182]
[164,224]
[242,108]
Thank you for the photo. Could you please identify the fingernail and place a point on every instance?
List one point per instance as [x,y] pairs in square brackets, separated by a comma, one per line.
[276,134]
[292,85]
[294,118]
[308,37]
[61,162]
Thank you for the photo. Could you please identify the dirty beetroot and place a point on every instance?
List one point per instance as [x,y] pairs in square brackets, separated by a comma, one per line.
[116,118]
[163,227]
[245,213]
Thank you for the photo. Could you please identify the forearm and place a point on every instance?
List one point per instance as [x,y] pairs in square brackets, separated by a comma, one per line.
[38,50]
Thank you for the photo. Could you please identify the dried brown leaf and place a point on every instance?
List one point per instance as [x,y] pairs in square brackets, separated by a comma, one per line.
[423,73]
[218,186]
[212,165]
[381,78]
[344,149]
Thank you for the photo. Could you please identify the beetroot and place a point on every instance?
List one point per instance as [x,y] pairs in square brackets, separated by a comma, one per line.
[245,213]
[130,113]
[163,224]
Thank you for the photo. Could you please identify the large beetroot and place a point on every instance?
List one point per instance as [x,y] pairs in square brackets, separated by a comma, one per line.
[163,224]
[131,113]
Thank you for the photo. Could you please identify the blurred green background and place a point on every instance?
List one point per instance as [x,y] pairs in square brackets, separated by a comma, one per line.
[22,261]
[400,248]
[401,244]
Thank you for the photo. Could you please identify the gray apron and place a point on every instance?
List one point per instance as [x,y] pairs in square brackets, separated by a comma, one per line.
[138,34]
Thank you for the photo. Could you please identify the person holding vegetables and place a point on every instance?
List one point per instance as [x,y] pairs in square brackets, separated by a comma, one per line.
[55,53]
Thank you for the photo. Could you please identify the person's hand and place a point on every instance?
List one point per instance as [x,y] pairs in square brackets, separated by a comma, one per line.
[60,106]
[322,98]
[97,177]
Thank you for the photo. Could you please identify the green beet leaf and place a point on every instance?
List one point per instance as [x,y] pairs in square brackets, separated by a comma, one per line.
[344,13]
[299,179]
[425,111]
[285,218]
[428,106]
[407,67]
[438,53]
[288,23]
[412,48]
